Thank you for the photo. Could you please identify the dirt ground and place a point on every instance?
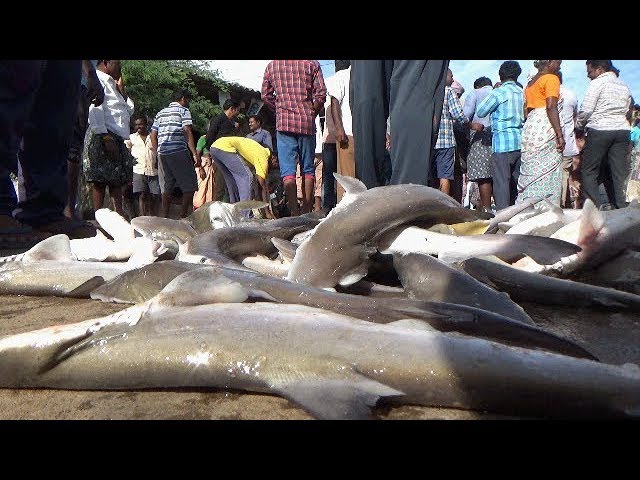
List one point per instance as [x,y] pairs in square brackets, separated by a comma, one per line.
[614,338]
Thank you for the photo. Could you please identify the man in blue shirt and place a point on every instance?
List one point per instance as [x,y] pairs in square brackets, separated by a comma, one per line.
[258,134]
[505,104]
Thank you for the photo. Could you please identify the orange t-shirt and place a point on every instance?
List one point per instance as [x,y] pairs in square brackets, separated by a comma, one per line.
[546,86]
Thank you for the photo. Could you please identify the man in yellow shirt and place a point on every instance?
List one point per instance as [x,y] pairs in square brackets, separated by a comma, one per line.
[233,154]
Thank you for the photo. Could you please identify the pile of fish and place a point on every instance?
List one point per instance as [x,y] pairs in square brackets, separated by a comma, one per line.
[397,296]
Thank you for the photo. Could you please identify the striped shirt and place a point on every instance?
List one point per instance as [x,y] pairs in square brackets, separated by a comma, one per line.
[169,123]
[505,104]
[451,110]
[290,87]
[606,103]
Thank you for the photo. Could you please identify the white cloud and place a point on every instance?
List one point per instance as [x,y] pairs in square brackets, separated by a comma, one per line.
[247,73]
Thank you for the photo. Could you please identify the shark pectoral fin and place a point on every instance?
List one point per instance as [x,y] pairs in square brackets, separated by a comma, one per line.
[286,248]
[355,274]
[201,287]
[350,398]
[351,185]
[57,247]
[84,290]
[414,324]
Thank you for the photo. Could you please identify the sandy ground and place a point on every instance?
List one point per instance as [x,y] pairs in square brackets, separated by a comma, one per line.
[614,338]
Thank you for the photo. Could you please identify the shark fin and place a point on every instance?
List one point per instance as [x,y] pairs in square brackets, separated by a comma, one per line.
[114,224]
[591,223]
[351,185]
[56,247]
[286,248]
[355,274]
[84,290]
[350,398]
[201,286]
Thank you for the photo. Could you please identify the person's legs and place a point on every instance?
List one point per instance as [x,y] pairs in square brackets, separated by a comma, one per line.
[75,152]
[50,123]
[346,163]
[153,196]
[501,175]
[595,150]
[240,172]
[416,100]
[443,165]
[485,186]
[19,83]
[287,158]
[619,167]
[167,182]
[514,161]
[115,192]
[329,166]
[567,166]
[221,161]
[369,97]
[97,194]
[307,148]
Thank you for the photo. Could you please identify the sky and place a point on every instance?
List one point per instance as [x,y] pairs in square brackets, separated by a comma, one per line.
[249,72]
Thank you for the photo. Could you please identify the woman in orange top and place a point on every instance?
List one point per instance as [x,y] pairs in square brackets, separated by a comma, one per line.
[542,139]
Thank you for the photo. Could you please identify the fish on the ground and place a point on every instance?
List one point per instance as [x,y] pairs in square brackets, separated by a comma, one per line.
[338,250]
[451,248]
[143,284]
[426,278]
[508,213]
[333,366]
[534,287]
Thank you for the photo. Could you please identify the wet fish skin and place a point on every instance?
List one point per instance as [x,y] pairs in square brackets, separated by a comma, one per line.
[335,367]
[439,315]
[427,278]
[534,287]
[350,233]
[450,248]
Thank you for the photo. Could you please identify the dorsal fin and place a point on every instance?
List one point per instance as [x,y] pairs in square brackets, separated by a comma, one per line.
[286,248]
[351,185]
[591,223]
[114,224]
[56,247]
[201,287]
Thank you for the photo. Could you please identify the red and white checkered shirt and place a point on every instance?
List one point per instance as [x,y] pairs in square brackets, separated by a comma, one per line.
[290,87]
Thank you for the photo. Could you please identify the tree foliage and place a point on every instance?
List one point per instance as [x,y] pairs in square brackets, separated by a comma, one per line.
[151,84]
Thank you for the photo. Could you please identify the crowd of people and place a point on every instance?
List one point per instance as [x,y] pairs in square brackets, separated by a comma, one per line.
[381,121]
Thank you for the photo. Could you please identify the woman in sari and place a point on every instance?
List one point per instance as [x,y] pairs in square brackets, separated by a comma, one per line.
[542,139]
[205,175]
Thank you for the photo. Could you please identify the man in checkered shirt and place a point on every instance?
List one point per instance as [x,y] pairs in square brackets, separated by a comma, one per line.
[444,150]
[295,89]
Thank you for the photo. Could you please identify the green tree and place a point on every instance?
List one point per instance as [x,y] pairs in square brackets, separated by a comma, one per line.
[151,84]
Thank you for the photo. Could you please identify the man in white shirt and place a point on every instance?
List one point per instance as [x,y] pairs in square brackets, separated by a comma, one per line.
[145,170]
[570,153]
[338,89]
[604,115]
[106,160]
